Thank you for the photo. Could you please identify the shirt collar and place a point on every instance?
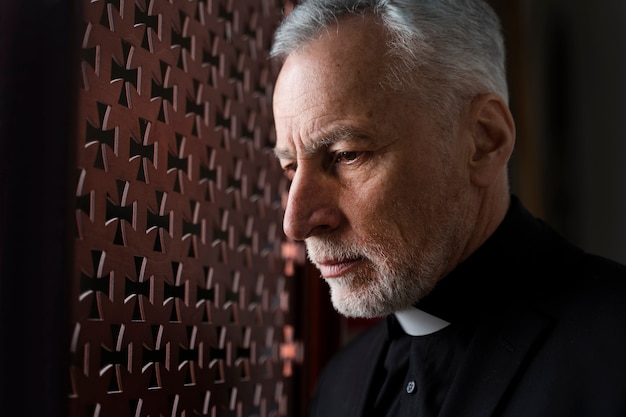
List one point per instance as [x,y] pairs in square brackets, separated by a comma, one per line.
[416,322]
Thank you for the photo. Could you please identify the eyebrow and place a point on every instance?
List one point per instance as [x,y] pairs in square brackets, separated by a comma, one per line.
[283,154]
[325,141]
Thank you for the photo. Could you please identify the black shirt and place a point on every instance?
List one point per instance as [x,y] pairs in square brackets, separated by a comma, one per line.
[418,371]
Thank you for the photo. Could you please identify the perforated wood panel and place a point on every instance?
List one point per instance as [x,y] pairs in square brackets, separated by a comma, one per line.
[181,294]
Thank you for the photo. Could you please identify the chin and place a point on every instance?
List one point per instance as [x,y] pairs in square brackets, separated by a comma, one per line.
[361,304]
[354,296]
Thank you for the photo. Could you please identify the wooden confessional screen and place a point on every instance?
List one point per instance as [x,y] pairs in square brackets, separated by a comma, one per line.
[181,294]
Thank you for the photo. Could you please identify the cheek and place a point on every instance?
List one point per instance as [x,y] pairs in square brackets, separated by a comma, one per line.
[390,198]
[382,212]
[364,209]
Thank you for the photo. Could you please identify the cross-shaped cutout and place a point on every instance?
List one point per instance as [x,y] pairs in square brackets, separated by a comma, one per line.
[290,351]
[152,23]
[102,136]
[155,358]
[129,76]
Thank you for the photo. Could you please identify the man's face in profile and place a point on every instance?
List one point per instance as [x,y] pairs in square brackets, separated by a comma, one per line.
[378,194]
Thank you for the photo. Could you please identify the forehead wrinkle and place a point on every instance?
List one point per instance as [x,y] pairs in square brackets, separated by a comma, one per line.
[324,141]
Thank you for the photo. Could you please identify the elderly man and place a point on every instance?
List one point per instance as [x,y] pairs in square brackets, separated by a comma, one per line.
[393,125]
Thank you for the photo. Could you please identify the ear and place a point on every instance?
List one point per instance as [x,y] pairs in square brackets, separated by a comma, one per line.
[493,138]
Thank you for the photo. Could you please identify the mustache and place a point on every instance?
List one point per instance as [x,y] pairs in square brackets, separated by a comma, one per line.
[322,250]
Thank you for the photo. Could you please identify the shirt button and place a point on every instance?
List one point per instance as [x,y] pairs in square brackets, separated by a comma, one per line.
[410,387]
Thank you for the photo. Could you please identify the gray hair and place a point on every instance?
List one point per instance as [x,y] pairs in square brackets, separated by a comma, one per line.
[445,50]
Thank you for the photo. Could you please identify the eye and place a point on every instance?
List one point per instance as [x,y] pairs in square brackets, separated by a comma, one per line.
[346,157]
[290,170]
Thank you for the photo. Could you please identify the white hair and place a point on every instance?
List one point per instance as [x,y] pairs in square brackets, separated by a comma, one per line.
[443,50]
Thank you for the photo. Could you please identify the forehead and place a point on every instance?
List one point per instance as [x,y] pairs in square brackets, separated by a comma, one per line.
[354,45]
[338,75]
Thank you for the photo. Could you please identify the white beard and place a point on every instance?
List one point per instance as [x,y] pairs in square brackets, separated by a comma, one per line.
[380,284]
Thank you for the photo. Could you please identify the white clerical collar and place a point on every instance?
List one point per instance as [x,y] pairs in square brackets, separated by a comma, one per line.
[416,322]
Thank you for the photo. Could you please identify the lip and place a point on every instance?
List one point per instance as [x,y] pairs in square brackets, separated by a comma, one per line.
[336,268]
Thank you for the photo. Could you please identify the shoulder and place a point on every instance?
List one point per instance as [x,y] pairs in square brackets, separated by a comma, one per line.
[562,270]
[585,300]
[604,268]
[587,277]
[597,289]
[581,354]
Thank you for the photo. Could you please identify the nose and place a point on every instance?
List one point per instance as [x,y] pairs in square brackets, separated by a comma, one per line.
[311,206]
